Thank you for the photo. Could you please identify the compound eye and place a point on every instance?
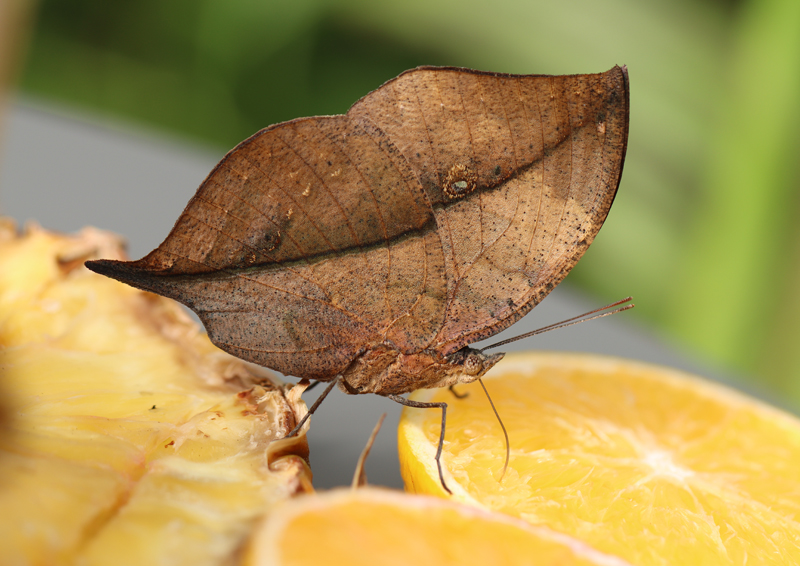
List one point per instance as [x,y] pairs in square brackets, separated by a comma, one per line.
[473,365]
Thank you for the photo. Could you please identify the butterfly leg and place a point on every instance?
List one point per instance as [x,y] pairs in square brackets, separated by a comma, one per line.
[313,408]
[455,393]
[421,405]
[312,386]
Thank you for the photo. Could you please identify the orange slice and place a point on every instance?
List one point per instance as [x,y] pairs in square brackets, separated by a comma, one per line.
[376,526]
[643,462]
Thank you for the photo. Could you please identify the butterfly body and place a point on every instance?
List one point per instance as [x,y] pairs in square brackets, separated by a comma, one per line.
[385,371]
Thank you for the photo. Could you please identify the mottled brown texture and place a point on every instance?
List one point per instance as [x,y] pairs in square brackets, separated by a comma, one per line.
[378,244]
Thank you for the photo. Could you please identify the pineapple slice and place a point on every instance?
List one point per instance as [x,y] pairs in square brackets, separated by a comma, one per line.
[128,438]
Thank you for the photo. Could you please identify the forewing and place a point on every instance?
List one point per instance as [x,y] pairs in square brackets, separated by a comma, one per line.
[521,172]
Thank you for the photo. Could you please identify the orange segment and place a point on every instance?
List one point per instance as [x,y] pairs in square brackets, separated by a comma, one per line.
[375,526]
[653,465]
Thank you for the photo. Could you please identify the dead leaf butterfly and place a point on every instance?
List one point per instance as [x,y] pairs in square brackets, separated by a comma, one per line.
[371,249]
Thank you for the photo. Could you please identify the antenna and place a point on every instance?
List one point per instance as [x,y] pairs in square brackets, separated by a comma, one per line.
[598,313]
[508,444]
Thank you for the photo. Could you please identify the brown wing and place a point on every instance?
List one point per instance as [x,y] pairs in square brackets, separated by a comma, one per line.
[401,221]
[308,241]
[521,172]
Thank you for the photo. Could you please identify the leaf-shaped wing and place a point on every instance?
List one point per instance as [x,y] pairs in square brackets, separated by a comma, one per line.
[439,210]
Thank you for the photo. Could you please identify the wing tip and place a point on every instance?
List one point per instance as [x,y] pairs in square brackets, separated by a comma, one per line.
[109,267]
[127,272]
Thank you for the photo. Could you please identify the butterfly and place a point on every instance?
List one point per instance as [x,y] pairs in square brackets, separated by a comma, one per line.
[371,249]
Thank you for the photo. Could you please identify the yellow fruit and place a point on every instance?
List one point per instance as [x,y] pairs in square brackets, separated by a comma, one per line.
[377,526]
[129,438]
[642,462]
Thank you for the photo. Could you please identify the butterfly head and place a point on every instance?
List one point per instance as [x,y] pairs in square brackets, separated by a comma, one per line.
[471,363]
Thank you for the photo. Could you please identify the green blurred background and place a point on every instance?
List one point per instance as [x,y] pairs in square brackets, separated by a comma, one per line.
[703,232]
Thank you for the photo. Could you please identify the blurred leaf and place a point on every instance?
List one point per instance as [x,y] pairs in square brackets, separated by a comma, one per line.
[728,301]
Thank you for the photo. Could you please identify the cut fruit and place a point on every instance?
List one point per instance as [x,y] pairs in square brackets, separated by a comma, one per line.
[646,463]
[377,526]
[129,437]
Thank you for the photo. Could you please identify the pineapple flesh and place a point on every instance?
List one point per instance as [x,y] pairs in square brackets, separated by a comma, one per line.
[127,437]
